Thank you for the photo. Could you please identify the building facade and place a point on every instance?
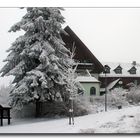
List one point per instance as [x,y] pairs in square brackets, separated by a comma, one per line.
[121,74]
[89,67]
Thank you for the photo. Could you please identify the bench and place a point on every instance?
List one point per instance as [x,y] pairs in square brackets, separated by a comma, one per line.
[5,114]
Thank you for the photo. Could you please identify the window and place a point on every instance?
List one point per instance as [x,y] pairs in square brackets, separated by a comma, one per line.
[132,70]
[106,69]
[118,70]
[92,91]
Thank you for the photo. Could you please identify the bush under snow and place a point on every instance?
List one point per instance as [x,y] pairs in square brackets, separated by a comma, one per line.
[115,98]
[133,96]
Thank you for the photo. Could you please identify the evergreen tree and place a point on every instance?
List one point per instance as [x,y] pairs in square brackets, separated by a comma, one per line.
[38,59]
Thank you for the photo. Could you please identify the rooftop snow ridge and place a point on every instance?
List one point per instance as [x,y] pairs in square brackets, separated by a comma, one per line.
[125,69]
[86,79]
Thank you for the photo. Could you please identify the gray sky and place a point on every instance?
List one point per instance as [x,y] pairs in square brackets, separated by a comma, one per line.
[112,34]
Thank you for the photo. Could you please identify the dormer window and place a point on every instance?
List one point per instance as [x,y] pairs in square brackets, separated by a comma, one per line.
[118,70]
[132,70]
[106,69]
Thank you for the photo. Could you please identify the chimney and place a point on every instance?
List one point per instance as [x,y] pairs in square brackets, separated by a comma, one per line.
[134,63]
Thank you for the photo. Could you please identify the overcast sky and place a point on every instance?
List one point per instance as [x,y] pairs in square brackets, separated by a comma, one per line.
[112,34]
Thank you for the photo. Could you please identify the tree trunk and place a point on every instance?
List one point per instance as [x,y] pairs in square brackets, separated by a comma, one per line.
[38,108]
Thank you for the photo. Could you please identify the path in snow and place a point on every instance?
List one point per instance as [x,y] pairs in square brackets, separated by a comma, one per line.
[116,121]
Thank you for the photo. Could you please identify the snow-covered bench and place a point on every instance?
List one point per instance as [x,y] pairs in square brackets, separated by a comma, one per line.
[5,113]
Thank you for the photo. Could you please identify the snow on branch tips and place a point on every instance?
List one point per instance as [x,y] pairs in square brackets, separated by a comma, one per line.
[40,62]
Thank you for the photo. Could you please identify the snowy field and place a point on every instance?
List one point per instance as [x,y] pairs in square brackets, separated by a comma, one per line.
[126,120]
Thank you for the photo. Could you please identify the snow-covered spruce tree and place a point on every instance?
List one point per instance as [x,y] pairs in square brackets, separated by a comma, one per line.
[38,59]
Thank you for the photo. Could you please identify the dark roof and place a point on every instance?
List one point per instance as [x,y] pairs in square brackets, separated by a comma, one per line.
[82,52]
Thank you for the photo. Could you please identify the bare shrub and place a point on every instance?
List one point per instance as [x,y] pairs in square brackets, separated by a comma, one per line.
[117,97]
[133,95]
[97,103]
[81,106]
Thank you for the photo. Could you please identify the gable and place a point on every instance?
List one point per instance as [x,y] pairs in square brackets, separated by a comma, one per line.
[118,70]
[82,53]
[132,70]
[106,69]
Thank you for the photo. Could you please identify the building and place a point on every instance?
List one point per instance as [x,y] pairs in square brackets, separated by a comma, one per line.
[120,74]
[90,84]
[89,67]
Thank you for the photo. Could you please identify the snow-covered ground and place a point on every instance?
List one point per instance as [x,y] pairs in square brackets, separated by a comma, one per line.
[126,120]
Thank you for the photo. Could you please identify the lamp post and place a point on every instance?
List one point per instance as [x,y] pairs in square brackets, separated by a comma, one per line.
[105,71]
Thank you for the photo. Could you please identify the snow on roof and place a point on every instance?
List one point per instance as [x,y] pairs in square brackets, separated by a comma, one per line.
[87,64]
[125,69]
[87,79]
[4,104]
[102,89]
[112,84]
